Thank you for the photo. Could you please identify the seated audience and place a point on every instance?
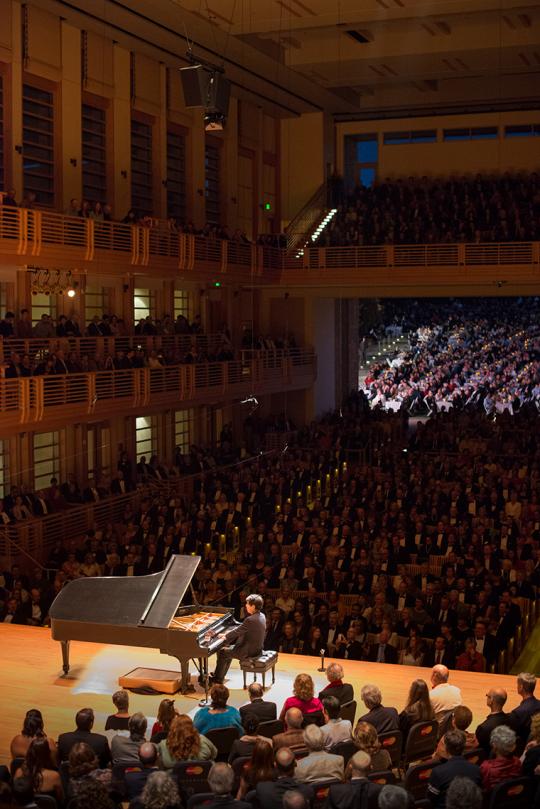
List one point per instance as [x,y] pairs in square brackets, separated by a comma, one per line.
[221,782]
[245,745]
[185,743]
[383,719]
[125,749]
[83,764]
[444,697]
[159,792]
[318,765]
[503,764]
[520,717]
[165,715]
[336,687]
[442,776]
[218,714]
[335,728]
[531,755]
[38,767]
[303,698]
[358,791]
[394,797]
[120,719]
[461,720]
[470,659]
[293,736]
[495,700]
[264,710]
[366,739]
[135,778]
[463,794]
[32,728]
[383,651]
[270,794]
[260,768]
[84,721]
[417,709]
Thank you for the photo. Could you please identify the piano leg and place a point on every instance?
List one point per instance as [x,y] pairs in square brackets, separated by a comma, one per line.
[185,684]
[65,655]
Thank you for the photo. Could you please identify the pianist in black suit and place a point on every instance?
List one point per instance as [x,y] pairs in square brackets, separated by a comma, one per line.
[245,640]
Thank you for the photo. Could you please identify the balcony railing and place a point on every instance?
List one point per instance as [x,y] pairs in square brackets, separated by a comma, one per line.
[40,235]
[55,399]
[173,344]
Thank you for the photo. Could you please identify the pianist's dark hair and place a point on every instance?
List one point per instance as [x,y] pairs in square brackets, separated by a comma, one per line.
[256,600]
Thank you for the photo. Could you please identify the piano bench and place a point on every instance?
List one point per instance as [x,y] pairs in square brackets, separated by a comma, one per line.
[260,665]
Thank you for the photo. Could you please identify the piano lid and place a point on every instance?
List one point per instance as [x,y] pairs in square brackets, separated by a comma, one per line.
[127,600]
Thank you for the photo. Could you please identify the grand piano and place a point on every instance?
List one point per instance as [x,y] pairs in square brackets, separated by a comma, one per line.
[141,611]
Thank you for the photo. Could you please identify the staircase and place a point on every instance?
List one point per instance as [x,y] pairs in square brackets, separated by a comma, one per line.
[309,221]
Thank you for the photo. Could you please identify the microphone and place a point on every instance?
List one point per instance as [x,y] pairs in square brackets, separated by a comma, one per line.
[322,667]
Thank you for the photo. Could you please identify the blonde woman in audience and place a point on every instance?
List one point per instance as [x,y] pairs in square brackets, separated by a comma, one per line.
[303,697]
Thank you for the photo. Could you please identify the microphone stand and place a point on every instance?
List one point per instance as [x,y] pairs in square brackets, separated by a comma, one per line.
[322,666]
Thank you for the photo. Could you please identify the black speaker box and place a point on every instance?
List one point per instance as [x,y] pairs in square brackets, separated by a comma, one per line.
[206,88]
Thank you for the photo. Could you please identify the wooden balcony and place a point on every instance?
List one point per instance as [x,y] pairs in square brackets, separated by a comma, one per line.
[49,239]
[46,402]
[33,540]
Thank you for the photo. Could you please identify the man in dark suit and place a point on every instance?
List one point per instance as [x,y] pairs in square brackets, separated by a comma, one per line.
[264,711]
[84,721]
[383,651]
[439,654]
[247,637]
[358,791]
[348,648]
[520,717]
[495,699]
[442,776]
[486,644]
[135,777]
[344,692]
[383,719]
[270,793]
[221,782]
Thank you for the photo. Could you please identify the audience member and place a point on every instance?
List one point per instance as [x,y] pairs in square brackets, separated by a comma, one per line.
[245,745]
[461,720]
[32,728]
[159,792]
[383,719]
[463,794]
[366,739]
[520,717]
[335,729]
[38,767]
[83,764]
[264,710]
[444,697]
[270,794]
[495,700]
[344,692]
[259,768]
[218,714]
[504,764]
[161,727]
[417,709]
[120,719]
[359,791]
[221,781]
[303,698]
[293,736]
[318,765]
[84,721]
[185,743]
[442,776]
[135,778]
[125,749]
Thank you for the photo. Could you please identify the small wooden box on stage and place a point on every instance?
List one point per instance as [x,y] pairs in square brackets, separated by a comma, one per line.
[164,682]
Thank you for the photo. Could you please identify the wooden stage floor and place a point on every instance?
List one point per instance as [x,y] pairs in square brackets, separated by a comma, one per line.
[31,673]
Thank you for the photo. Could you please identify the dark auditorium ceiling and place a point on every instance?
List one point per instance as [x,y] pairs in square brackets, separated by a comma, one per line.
[352,59]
